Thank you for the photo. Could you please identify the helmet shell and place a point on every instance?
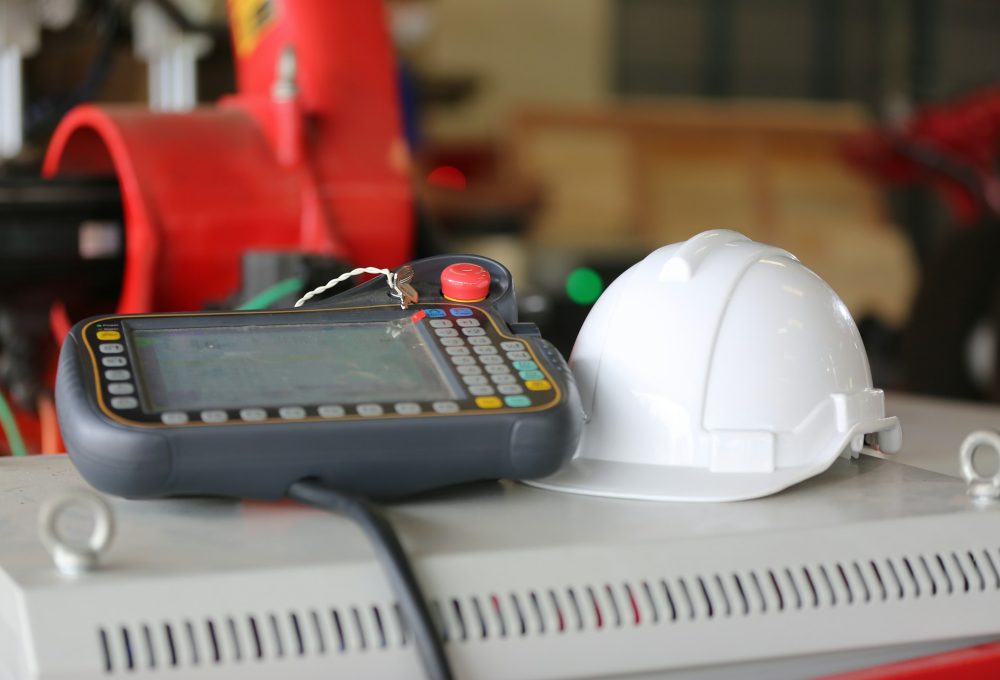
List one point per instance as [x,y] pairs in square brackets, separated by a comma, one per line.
[718,369]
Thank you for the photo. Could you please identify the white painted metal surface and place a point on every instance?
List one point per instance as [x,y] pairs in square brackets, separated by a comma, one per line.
[935,429]
[868,561]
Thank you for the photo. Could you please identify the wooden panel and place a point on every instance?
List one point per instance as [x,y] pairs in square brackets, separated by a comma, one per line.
[586,178]
[693,181]
[635,177]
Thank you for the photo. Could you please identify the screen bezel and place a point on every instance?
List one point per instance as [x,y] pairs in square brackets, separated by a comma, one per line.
[466,405]
[412,345]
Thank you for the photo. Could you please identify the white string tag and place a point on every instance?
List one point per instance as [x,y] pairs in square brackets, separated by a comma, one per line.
[398,282]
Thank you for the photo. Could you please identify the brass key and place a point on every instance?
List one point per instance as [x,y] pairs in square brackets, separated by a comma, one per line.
[406,293]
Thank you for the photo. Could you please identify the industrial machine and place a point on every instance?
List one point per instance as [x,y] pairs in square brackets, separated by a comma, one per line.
[871,561]
[307,156]
[306,163]
[951,147]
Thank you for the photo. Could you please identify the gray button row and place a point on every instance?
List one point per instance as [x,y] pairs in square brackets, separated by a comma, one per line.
[285,412]
[518,356]
[468,323]
[512,346]
[407,408]
[472,332]
[445,407]
[480,340]
[452,342]
[478,387]
[115,363]
[442,323]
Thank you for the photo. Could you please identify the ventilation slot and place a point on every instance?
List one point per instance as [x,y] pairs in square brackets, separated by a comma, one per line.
[253,638]
[670,600]
[789,589]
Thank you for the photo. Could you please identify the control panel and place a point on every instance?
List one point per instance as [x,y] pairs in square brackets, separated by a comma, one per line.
[382,390]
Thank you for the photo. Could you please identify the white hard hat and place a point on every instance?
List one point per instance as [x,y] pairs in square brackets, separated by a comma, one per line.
[719,369]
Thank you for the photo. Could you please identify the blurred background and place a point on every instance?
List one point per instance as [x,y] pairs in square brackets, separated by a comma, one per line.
[239,153]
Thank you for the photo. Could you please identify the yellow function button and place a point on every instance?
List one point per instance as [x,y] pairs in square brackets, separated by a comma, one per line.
[538,385]
[109,335]
[488,402]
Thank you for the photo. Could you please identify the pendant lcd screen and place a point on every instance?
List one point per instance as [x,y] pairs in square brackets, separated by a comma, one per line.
[278,365]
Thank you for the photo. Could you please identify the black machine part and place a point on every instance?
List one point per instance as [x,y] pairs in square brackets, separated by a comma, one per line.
[375,457]
[960,291]
[61,240]
[260,270]
[426,280]
[64,235]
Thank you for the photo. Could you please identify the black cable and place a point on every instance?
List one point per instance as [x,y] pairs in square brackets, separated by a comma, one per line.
[47,110]
[183,22]
[394,562]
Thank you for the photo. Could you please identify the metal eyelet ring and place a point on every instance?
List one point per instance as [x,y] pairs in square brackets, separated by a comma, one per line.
[980,488]
[71,559]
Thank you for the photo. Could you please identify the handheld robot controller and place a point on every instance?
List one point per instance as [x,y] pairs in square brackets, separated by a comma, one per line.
[354,392]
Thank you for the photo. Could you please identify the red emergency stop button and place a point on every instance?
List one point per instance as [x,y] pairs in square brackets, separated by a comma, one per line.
[465,282]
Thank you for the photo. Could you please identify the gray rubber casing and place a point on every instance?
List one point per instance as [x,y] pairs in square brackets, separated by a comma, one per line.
[380,459]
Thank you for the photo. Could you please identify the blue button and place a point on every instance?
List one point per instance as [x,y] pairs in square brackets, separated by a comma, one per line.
[526,365]
[435,313]
[461,311]
[532,375]
[517,401]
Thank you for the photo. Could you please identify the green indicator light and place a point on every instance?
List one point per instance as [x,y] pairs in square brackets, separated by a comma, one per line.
[584,286]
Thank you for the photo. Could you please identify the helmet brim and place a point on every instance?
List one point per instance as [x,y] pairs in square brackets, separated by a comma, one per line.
[612,479]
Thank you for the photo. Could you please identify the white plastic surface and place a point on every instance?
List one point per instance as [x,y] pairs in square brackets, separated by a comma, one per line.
[11,102]
[718,369]
[172,55]
[21,22]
